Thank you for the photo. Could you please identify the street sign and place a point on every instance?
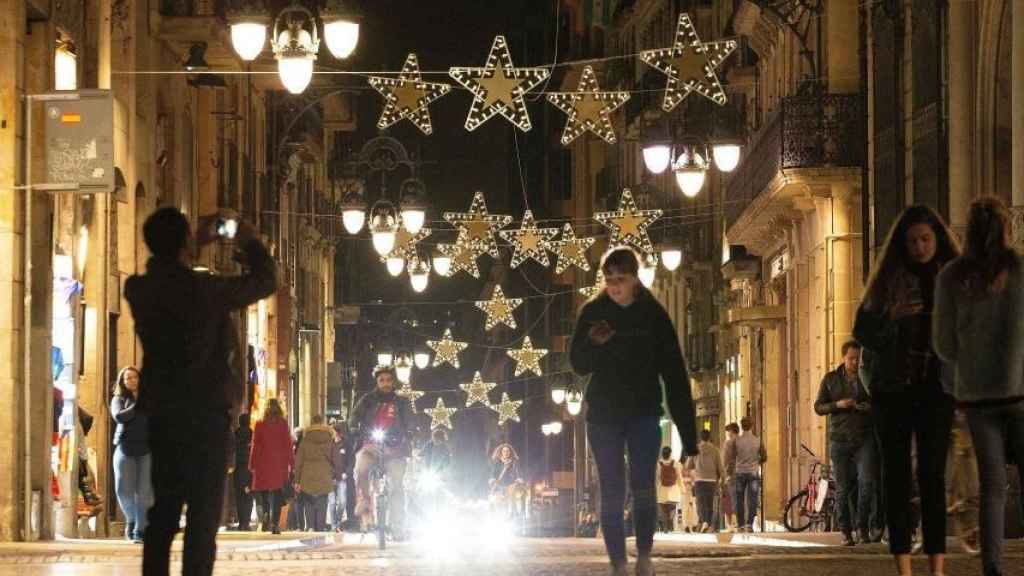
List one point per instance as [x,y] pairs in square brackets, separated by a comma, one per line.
[79,136]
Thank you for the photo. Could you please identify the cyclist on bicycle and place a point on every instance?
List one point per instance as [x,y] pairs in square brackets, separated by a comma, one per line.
[383,420]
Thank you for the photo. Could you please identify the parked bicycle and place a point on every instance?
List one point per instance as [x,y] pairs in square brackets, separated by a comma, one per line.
[814,505]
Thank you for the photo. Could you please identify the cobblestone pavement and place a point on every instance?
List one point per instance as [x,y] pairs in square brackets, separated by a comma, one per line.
[769,556]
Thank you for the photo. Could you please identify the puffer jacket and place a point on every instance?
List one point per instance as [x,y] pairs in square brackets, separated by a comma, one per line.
[314,461]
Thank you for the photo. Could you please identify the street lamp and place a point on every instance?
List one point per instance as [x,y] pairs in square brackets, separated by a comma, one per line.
[403,368]
[295,47]
[395,265]
[353,212]
[341,28]
[551,428]
[558,392]
[442,264]
[384,358]
[671,257]
[574,401]
[648,268]
[414,213]
[419,274]
[383,226]
[422,359]
[691,156]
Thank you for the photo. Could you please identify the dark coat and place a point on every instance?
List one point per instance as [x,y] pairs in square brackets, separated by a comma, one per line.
[501,478]
[343,460]
[845,425]
[243,446]
[272,455]
[365,412]
[625,370]
[183,320]
[132,432]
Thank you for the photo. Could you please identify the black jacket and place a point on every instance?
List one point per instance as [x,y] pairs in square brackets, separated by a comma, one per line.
[845,425]
[366,411]
[183,320]
[243,446]
[132,432]
[625,370]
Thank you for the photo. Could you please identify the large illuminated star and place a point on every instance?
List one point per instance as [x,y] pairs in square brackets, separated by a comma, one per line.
[446,350]
[690,65]
[528,358]
[507,409]
[477,390]
[408,96]
[499,309]
[440,415]
[477,227]
[462,257]
[570,250]
[529,241]
[628,225]
[498,87]
[588,108]
[413,395]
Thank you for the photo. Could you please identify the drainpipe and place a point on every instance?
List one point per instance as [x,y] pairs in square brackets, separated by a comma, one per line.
[26,385]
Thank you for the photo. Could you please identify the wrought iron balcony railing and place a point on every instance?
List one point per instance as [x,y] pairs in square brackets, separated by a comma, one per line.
[812,131]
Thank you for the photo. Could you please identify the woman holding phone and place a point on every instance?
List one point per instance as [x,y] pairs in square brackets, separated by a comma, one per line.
[626,341]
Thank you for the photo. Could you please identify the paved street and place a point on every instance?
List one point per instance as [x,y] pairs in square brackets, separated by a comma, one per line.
[775,555]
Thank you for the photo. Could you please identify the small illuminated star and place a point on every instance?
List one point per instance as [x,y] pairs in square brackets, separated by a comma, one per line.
[413,395]
[591,291]
[446,350]
[588,108]
[498,87]
[507,409]
[477,227]
[570,250]
[499,309]
[440,415]
[690,65]
[405,243]
[477,390]
[628,225]
[408,96]
[528,358]
[529,241]
[462,257]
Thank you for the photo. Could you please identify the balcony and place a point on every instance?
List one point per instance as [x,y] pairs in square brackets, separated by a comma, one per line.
[818,131]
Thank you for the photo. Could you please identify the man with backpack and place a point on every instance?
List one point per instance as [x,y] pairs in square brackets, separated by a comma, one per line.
[670,489]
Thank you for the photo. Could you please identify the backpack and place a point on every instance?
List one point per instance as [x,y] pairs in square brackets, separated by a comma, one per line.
[668,474]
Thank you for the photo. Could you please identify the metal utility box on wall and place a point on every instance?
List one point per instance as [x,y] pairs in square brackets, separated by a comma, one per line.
[79,136]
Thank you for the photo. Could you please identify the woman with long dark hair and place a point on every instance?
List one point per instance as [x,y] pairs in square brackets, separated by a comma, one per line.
[132,462]
[979,327]
[626,341]
[894,324]
[271,459]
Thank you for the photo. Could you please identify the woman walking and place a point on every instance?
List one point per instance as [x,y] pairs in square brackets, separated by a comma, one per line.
[132,461]
[894,323]
[270,462]
[314,472]
[625,340]
[979,327]
[240,475]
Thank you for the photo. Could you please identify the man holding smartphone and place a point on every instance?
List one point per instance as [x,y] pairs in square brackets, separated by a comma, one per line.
[188,387]
[845,400]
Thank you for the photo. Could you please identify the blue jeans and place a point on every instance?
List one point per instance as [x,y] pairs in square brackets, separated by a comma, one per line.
[336,504]
[609,442]
[748,489]
[854,467]
[134,487]
[996,431]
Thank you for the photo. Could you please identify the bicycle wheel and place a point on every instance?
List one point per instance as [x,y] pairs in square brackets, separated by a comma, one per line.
[796,518]
[382,518]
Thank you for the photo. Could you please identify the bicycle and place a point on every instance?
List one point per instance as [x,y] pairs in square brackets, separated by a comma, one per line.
[814,505]
[379,501]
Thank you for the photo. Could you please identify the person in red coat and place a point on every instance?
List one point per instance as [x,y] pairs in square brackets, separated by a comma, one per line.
[271,460]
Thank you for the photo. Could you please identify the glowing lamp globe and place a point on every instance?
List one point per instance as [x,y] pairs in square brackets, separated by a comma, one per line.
[353,219]
[341,36]
[413,219]
[671,258]
[727,156]
[657,157]
[248,38]
[442,265]
[395,265]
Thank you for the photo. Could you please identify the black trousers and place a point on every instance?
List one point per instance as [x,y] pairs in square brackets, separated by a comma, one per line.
[243,498]
[189,468]
[271,502]
[927,417]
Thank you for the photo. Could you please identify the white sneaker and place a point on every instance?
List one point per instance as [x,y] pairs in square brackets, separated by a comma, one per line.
[644,566]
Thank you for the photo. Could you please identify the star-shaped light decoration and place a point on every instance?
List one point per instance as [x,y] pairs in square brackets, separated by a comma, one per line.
[463,259]
[570,250]
[588,108]
[628,225]
[477,390]
[413,395]
[507,409]
[499,309]
[498,87]
[405,243]
[440,415]
[446,350]
[690,65]
[477,227]
[591,291]
[528,358]
[529,241]
[408,96]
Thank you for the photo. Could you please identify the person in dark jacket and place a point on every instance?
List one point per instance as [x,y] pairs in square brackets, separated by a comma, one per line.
[341,469]
[187,387]
[625,340]
[894,322]
[132,460]
[979,327]
[241,476]
[270,463]
[846,402]
[384,423]
[314,472]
